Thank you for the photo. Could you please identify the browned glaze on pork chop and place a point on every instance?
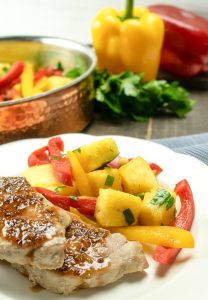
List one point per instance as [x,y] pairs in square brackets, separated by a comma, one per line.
[93,257]
[85,249]
[28,220]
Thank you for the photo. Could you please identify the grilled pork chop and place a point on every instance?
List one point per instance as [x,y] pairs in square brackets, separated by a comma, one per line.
[93,257]
[32,230]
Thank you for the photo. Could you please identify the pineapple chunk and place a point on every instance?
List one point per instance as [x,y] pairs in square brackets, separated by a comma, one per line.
[158,207]
[115,208]
[107,178]
[80,177]
[42,176]
[97,154]
[137,176]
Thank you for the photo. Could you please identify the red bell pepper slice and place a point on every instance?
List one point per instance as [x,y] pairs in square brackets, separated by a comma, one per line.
[57,199]
[14,72]
[13,94]
[38,157]
[85,205]
[61,165]
[184,220]
[40,74]
[155,168]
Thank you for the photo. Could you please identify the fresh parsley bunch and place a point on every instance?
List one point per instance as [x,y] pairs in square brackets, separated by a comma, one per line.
[127,95]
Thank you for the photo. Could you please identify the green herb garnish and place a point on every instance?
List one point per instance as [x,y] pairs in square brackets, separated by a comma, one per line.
[59,66]
[57,157]
[74,198]
[129,216]
[141,195]
[5,69]
[58,188]
[77,150]
[109,180]
[127,95]
[78,70]
[163,197]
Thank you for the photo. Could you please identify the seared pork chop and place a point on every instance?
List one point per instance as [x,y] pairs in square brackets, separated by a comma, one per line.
[32,230]
[93,257]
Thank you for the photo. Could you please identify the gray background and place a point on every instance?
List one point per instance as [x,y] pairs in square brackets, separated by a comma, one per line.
[67,18]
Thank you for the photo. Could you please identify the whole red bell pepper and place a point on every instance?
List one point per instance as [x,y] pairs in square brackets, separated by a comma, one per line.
[14,72]
[184,220]
[185,48]
[61,164]
[86,205]
[39,157]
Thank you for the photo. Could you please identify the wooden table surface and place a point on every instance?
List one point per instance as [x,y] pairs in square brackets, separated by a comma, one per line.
[195,122]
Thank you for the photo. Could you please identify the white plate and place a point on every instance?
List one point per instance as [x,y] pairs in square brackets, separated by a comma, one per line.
[185,279]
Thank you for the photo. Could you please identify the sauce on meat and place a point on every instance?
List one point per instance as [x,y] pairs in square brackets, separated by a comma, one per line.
[25,218]
[85,250]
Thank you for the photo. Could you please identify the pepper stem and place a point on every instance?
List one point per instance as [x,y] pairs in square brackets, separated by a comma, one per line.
[129,9]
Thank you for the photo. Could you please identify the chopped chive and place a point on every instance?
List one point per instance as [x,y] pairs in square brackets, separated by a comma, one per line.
[175,212]
[141,195]
[77,150]
[59,66]
[75,198]
[129,216]
[58,188]
[5,69]
[56,157]
[109,180]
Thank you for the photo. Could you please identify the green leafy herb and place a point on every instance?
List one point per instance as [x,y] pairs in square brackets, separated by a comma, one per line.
[58,188]
[78,70]
[59,66]
[109,180]
[77,150]
[56,157]
[129,216]
[127,95]
[5,69]
[141,195]
[163,197]
[74,198]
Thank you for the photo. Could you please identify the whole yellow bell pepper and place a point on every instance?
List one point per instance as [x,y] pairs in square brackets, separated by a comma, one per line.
[128,40]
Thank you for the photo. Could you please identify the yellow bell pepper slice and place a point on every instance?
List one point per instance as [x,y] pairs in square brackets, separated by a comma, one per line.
[42,84]
[80,177]
[27,80]
[55,82]
[167,236]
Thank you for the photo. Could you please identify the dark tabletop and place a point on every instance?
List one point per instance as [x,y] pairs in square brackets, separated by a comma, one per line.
[195,122]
